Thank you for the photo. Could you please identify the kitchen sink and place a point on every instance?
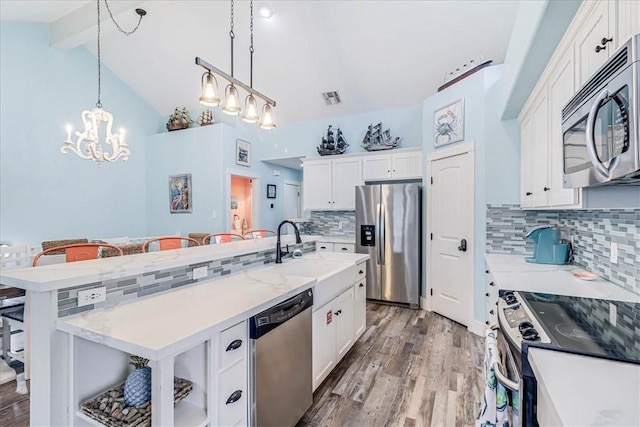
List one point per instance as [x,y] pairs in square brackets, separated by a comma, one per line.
[332,276]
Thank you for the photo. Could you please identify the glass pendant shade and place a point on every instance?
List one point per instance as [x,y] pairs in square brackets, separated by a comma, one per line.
[250,110]
[267,122]
[210,96]
[232,101]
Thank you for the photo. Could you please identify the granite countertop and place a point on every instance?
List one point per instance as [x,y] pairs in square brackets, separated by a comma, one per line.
[56,276]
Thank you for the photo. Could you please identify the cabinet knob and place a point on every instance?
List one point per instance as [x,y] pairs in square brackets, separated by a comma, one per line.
[599,48]
[235,344]
[486,323]
[235,396]
[337,313]
[492,284]
[487,294]
[486,271]
[546,189]
[528,193]
[361,272]
[491,312]
[361,285]
[605,40]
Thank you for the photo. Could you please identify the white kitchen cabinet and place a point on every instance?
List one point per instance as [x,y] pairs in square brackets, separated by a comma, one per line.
[628,20]
[406,164]
[590,50]
[344,247]
[330,184]
[359,308]
[534,155]
[324,246]
[232,383]
[344,322]
[323,343]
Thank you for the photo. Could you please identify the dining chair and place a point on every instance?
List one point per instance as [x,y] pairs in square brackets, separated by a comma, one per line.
[77,252]
[169,242]
[222,238]
[259,234]
[199,237]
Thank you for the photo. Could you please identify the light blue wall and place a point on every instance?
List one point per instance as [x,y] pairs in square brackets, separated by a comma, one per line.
[43,193]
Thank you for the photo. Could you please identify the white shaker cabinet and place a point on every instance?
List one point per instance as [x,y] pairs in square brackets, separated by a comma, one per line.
[401,164]
[329,184]
[359,307]
[344,322]
[594,40]
[628,20]
[534,182]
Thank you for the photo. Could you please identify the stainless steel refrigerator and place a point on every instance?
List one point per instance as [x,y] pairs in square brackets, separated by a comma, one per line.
[388,228]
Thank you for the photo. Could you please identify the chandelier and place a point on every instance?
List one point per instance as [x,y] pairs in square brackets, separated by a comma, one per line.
[210,95]
[87,145]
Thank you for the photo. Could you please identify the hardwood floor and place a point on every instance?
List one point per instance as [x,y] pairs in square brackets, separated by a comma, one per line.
[410,368]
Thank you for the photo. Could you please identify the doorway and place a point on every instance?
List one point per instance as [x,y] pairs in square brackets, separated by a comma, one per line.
[292,201]
[450,232]
[243,210]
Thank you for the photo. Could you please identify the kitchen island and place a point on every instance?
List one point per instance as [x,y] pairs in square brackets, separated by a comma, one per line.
[78,352]
[573,389]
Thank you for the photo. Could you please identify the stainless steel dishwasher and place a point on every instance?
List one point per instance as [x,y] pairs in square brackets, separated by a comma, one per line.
[281,374]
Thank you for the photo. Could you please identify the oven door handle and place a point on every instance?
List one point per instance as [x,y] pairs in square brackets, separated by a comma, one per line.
[600,168]
[503,379]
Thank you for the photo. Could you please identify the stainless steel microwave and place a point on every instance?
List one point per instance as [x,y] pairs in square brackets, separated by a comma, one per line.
[600,124]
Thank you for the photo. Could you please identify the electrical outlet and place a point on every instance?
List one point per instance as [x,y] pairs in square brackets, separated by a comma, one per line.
[339,225]
[199,273]
[92,296]
[614,253]
[613,314]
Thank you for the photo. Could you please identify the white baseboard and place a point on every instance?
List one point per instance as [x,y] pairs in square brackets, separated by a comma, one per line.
[477,328]
[423,304]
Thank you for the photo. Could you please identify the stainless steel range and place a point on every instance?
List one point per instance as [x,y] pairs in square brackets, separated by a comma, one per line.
[584,326]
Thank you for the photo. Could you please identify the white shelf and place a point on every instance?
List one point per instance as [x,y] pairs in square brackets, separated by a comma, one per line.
[185,415]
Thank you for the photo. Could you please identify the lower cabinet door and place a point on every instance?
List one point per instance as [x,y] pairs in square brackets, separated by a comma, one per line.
[344,322]
[359,308]
[232,394]
[324,343]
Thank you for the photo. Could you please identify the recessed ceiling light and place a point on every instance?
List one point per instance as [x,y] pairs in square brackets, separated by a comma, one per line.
[331,98]
[266,12]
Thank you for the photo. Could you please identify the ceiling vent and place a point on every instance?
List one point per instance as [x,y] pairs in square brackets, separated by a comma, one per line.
[331,98]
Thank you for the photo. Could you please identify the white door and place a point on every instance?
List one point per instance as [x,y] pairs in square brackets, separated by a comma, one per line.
[317,185]
[291,199]
[346,175]
[450,249]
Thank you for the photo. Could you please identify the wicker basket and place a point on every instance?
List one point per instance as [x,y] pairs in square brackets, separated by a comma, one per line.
[109,409]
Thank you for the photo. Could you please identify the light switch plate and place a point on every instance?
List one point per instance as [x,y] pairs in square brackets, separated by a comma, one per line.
[613,314]
[614,253]
[199,273]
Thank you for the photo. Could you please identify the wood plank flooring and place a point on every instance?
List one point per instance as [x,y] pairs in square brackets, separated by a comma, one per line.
[410,368]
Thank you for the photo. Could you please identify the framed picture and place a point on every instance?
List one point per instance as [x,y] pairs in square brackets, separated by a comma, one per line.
[271,191]
[234,202]
[448,124]
[243,152]
[180,193]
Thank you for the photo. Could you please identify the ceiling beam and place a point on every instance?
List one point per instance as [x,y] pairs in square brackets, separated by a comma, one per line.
[79,27]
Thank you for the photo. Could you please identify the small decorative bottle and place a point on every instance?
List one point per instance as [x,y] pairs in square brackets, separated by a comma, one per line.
[245,226]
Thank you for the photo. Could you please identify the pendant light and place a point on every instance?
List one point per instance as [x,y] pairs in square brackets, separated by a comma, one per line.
[250,104]
[231,98]
[267,122]
[210,96]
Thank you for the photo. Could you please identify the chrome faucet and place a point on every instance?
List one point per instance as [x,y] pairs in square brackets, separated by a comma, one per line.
[279,252]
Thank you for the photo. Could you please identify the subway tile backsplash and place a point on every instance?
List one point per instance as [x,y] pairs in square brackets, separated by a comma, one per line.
[129,288]
[593,231]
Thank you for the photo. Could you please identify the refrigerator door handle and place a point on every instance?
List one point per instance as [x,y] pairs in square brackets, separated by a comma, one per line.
[381,233]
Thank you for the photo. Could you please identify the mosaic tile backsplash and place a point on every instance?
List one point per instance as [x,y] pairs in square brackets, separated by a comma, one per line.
[327,223]
[592,232]
[129,288]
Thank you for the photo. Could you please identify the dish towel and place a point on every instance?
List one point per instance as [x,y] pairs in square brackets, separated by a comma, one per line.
[493,411]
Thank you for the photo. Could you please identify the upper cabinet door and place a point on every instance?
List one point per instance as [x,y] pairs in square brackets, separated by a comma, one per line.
[347,174]
[376,167]
[561,89]
[317,185]
[540,151]
[407,165]
[526,162]
[590,50]
[628,20]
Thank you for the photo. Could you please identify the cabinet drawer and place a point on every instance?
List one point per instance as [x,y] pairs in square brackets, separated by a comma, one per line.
[232,394]
[233,344]
[344,247]
[322,246]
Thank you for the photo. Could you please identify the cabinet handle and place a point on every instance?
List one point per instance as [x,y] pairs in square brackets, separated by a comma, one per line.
[491,312]
[235,344]
[345,249]
[337,313]
[599,48]
[546,189]
[492,284]
[361,272]
[528,193]
[235,396]
[361,285]
[486,271]
[323,247]
[605,40]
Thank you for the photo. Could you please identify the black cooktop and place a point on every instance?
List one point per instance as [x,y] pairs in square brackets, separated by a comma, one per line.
[589,326]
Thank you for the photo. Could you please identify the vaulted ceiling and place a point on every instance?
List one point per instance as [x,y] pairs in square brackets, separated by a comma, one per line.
[376,54]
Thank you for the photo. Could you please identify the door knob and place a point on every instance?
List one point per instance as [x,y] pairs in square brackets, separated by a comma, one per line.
[463,245]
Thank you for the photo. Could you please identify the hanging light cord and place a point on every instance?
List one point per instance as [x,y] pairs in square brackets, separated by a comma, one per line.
[127,33]
[99,104]
[251,50]
[232,36]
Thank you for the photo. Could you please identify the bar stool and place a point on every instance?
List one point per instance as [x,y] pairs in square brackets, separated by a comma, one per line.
[259,234]
[222,238]
[169,242]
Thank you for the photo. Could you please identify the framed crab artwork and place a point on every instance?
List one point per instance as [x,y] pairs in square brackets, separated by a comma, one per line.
[448,124]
